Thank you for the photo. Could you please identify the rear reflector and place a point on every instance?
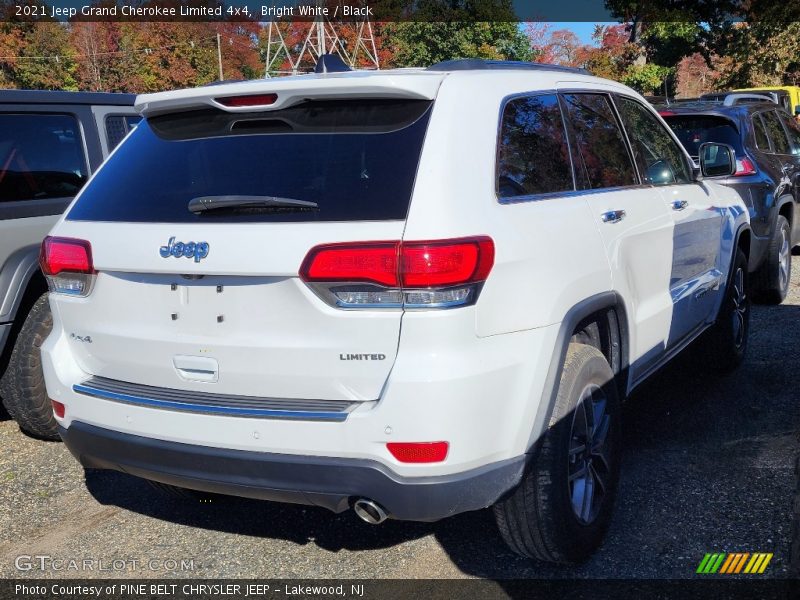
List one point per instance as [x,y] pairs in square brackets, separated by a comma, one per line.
[67,265]
[251,100]
[58,409]
[65,254]
[418,452]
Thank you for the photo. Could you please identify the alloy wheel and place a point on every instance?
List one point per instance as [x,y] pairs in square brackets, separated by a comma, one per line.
[739,307]
[589,466]
[784,259]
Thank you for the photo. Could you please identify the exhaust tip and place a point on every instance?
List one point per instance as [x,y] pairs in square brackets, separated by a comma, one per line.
[369,511]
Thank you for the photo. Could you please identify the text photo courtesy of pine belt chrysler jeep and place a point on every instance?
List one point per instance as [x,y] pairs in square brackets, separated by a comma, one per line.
[50,144]
[413,293]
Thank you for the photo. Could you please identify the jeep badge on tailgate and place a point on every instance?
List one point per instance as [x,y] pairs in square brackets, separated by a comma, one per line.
[196,250]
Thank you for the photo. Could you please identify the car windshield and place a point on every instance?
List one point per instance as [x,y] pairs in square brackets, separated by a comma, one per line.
[693,130]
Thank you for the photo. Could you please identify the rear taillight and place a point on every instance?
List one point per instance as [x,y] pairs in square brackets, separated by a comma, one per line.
[433,274]
[67,265]
[744,166]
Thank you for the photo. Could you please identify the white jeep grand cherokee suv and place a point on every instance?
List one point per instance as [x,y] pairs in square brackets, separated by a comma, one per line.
[414,293]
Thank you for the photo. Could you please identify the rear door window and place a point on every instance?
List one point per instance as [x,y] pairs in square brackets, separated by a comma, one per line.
[693,130]
[780,143]
[533,154]
[41,157]
[600,144]
[355,160]
[659,158]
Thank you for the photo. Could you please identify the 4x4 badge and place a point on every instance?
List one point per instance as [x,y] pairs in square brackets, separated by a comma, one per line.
[196,250]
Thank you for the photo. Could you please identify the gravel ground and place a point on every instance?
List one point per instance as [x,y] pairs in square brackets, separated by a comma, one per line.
[709,466]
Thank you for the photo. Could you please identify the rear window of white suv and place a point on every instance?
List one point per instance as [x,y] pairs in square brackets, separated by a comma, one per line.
[353,160]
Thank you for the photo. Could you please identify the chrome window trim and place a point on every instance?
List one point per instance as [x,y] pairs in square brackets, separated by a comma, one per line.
[572,193]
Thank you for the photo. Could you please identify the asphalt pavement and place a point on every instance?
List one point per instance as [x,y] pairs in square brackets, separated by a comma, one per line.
[708,466]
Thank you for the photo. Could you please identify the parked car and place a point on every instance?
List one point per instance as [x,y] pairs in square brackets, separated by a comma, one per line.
[50,144]
[737,97]
[767,144]
[410,292]
[792,91]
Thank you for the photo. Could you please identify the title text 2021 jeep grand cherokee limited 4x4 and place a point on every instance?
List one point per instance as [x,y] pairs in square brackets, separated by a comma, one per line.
[50,143]
[414,292]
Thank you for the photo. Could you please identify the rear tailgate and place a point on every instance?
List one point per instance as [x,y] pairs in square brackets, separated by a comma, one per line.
[212,301]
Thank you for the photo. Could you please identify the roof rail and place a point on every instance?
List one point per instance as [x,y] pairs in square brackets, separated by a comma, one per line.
[733,99]
[479,64]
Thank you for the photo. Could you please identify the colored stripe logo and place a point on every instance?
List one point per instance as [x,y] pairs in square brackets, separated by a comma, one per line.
[733,563]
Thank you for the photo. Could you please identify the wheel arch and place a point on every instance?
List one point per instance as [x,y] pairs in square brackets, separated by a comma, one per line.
[21,283]
[607,308]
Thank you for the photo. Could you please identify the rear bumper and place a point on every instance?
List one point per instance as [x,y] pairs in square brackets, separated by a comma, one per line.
[328,482]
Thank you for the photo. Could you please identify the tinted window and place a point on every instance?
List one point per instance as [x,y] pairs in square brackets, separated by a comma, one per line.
[533,155]
[693,130]
[760,133]
[600,145]
[118,126]
[659,158]
[356,160]
[780,144]
[793,129]
[41,156]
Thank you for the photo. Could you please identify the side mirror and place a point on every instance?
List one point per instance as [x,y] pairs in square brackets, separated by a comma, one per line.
[717,160]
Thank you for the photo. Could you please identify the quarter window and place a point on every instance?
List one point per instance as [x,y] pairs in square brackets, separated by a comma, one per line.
[760,132]
[776,133]
[600,144]
[118,126]
[657,155]
[41,157]
[533,154]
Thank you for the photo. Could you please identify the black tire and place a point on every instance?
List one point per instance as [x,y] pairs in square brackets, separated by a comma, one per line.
[771,281]
[726,342]
[22,386]
[538,519]
[182,493]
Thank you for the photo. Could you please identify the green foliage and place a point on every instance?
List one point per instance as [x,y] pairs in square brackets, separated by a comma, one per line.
[47,62]
[646,78]
[419,44]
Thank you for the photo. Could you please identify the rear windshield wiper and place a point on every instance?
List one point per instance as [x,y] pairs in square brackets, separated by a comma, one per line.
[210,203]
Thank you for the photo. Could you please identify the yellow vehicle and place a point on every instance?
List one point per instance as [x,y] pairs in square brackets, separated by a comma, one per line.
[792,90]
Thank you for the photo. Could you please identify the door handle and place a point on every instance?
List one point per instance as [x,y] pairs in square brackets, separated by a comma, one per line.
[679,204]
[613,216]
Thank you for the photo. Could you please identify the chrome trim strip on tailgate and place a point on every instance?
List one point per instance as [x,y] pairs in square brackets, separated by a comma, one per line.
[210,403]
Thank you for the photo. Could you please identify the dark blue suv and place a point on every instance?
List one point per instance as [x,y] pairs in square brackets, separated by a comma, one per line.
[767,144]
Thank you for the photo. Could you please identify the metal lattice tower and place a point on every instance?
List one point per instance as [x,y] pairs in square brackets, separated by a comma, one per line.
[323,37]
